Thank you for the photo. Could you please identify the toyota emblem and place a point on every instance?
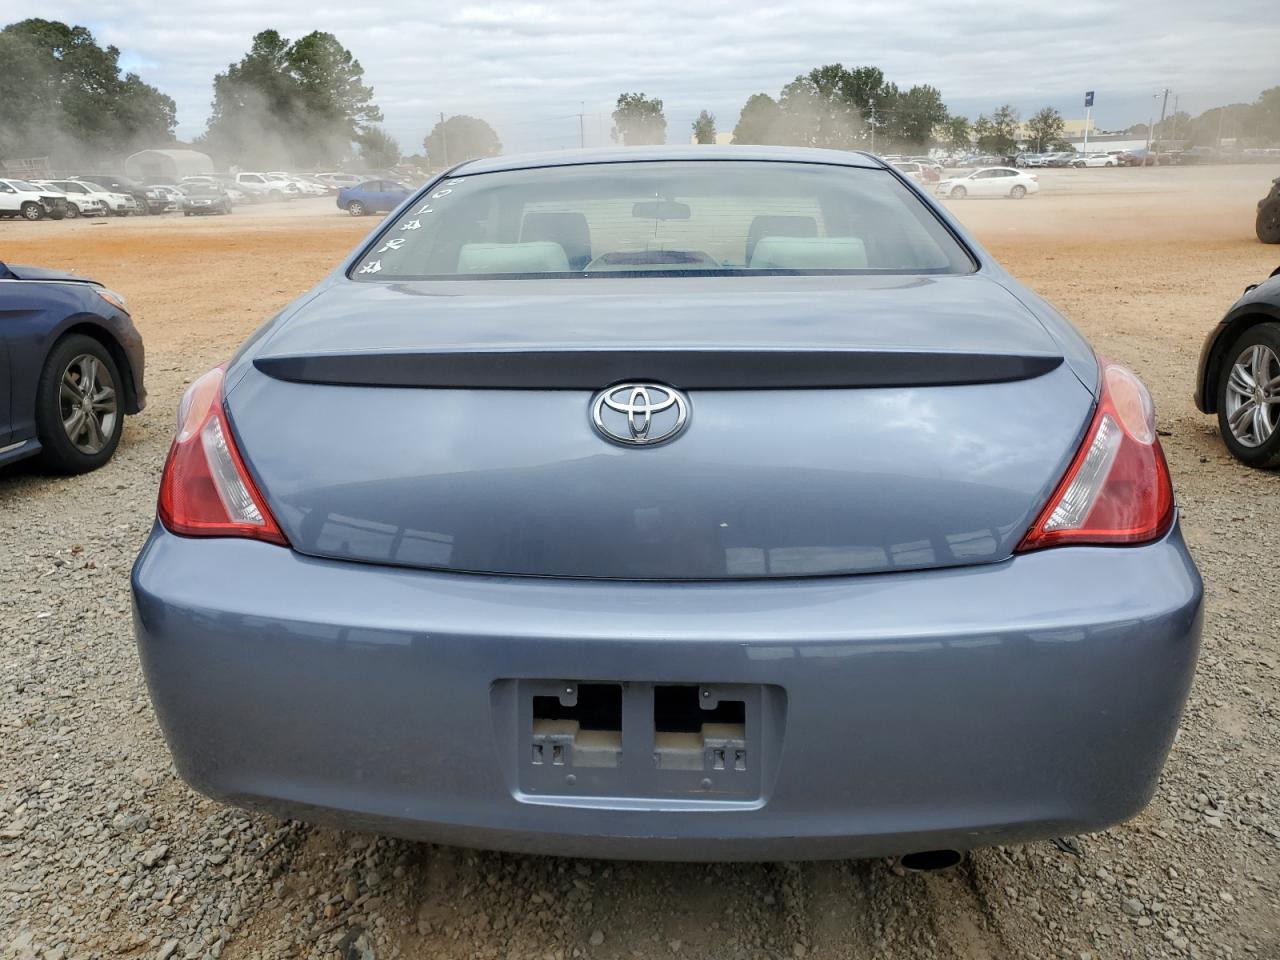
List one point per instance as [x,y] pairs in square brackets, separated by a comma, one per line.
[639,414]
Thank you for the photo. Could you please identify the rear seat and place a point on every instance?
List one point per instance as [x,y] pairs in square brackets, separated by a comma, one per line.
[809,253]
[538,256]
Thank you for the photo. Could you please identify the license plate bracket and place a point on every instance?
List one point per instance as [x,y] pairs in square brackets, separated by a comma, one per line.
[568,739]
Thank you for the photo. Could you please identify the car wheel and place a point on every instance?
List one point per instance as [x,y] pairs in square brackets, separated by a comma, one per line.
[1268,226]
[79,417]
[959,193]
[32,211]
[1109,163]
[1249,397]
[1018,191]
[356,208]
[57,214]
[72,211]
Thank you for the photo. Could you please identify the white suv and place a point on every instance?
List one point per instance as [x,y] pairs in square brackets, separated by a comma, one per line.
[21,199]
[88,199]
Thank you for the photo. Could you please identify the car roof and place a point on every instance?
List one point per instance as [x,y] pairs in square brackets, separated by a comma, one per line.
[565,158]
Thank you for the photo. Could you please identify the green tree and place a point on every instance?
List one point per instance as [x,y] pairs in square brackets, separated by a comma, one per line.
[638,119]
[821,109]
[913,116]
[957,133]
[1176,126]
[378,149]
[1266,113]
[1045,126]
[997,134]
[759,121]
[63,96]
[459,138]
[982,131]
[704,128]
[300,103]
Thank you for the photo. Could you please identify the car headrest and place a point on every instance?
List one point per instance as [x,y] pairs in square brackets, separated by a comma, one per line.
[778,226]
[809,253]
[539,256]
[567,228]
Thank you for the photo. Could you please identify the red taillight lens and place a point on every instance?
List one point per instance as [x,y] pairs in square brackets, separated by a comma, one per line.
[1117,490]
[205,490]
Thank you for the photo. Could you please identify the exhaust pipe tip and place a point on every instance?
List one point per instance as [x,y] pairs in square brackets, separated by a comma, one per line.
[930,861]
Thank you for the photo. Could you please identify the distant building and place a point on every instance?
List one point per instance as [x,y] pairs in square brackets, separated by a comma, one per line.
[1071,130]
[167,165]
[1106,142]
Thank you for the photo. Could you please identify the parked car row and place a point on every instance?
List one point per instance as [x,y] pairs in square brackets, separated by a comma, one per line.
[211,193]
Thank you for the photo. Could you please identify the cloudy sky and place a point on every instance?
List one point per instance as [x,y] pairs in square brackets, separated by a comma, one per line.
[528,67]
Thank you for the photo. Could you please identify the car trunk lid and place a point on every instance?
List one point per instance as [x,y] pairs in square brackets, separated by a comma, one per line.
[865,426]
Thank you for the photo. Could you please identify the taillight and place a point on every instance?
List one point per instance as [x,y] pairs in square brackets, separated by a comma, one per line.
[1117,489]
[205,490]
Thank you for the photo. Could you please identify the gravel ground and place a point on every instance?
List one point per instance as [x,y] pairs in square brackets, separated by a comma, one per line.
[104,852]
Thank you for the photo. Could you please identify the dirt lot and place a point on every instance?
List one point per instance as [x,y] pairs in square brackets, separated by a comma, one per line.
[104,852]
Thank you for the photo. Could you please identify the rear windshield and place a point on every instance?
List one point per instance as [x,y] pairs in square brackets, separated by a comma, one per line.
[666,218]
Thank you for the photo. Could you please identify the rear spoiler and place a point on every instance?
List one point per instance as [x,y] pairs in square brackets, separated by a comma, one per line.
[690,369]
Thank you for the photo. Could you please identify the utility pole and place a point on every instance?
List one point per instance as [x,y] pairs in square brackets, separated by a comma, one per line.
[444,141]
[582,133]
[1164,106]
[1173,134]
[1151,126]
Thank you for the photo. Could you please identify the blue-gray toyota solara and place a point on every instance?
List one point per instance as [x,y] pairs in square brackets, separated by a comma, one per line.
[674,503]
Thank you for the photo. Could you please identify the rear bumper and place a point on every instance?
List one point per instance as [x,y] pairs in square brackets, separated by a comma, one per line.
[958,708]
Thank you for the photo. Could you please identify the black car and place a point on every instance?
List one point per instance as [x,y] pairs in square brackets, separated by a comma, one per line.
[1268,225]
[118,184]
[203,197]
[72,361]
[1239,375]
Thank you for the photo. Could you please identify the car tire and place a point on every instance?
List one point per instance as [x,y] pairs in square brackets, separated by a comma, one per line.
[1268,226]
[73,212]
[1018,191]
[1258,348]
[356,208]
[32,211]
[87,444]
[959,193]
[57,214]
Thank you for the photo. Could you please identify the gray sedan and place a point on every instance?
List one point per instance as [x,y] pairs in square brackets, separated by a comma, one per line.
[671,503]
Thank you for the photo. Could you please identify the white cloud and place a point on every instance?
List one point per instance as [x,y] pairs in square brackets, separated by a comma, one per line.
[526,66]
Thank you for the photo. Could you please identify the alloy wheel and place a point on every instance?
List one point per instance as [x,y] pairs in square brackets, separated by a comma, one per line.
[87,402]
[1253,395]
